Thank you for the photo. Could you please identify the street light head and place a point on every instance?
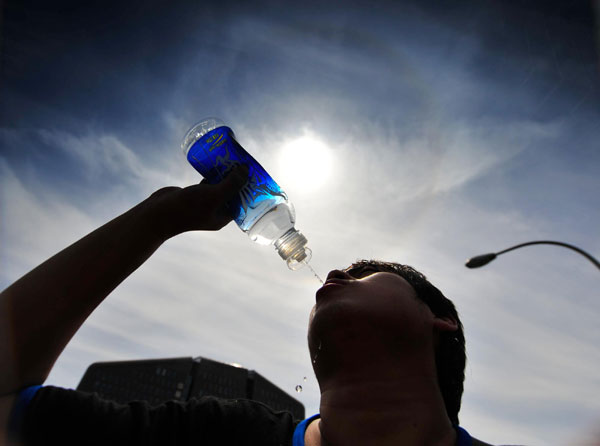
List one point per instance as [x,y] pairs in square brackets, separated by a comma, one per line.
[477,261]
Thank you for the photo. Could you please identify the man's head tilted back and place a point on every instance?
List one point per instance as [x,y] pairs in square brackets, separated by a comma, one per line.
[376,322]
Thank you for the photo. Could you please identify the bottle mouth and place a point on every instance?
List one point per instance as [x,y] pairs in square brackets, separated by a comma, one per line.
[300,260]
[291,247]
[198,131]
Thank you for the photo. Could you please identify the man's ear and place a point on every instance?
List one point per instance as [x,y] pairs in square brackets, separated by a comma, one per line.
[445,323]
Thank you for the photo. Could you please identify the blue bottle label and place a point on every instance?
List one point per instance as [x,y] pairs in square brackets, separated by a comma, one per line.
[215,154]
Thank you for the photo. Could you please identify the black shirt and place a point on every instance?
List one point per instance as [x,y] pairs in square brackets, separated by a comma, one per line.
[69,417]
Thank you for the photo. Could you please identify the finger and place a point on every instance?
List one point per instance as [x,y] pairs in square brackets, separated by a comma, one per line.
[234,181]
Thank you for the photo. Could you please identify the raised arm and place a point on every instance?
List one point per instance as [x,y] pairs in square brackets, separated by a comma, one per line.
[40,312]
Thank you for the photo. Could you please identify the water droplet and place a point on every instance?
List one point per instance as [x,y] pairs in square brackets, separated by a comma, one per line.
[298,388]
[320,345]
[305,379]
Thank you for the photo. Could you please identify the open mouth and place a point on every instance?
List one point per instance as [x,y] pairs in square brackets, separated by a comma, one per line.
[336,280]
[329,285]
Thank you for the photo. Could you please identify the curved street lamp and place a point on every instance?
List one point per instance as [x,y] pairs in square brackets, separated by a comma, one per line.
[484,259]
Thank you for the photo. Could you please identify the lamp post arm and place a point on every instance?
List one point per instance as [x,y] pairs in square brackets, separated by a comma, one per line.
[550,242]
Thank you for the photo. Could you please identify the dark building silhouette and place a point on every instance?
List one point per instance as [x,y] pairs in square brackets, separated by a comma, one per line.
[159,380]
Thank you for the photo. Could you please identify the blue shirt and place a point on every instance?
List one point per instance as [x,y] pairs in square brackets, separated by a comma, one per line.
[24,397]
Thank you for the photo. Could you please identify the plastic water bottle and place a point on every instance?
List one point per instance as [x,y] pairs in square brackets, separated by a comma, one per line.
[262,209]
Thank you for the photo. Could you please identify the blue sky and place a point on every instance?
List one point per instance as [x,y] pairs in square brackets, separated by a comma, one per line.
[451,130]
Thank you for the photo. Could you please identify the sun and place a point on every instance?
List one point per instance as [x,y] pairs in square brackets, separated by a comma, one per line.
[305,163]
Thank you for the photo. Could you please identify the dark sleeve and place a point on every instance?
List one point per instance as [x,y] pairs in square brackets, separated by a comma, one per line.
[70,417]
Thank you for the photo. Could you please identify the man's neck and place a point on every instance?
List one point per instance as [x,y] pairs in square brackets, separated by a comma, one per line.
[384,410]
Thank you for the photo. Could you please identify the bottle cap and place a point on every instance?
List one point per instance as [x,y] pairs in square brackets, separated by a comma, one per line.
[300,259]
[291,247]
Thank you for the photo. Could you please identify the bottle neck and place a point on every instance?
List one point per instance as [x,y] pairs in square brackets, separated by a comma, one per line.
[291,247]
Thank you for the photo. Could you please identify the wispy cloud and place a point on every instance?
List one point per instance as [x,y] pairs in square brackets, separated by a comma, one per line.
[34,221]
[97,153]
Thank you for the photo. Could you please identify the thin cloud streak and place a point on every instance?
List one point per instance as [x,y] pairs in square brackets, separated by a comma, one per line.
[31,231]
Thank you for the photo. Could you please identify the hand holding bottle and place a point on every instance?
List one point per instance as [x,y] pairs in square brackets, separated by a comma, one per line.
[173,210]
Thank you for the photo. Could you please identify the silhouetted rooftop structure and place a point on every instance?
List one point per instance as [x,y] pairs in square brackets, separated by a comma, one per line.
[160,380]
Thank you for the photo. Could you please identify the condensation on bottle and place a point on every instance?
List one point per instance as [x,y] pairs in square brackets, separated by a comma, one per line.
[261,209]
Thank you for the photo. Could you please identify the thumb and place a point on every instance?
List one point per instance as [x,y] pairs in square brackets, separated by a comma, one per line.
[233,182]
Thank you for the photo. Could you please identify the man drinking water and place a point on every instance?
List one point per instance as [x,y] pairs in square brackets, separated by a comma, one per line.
[387,348]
